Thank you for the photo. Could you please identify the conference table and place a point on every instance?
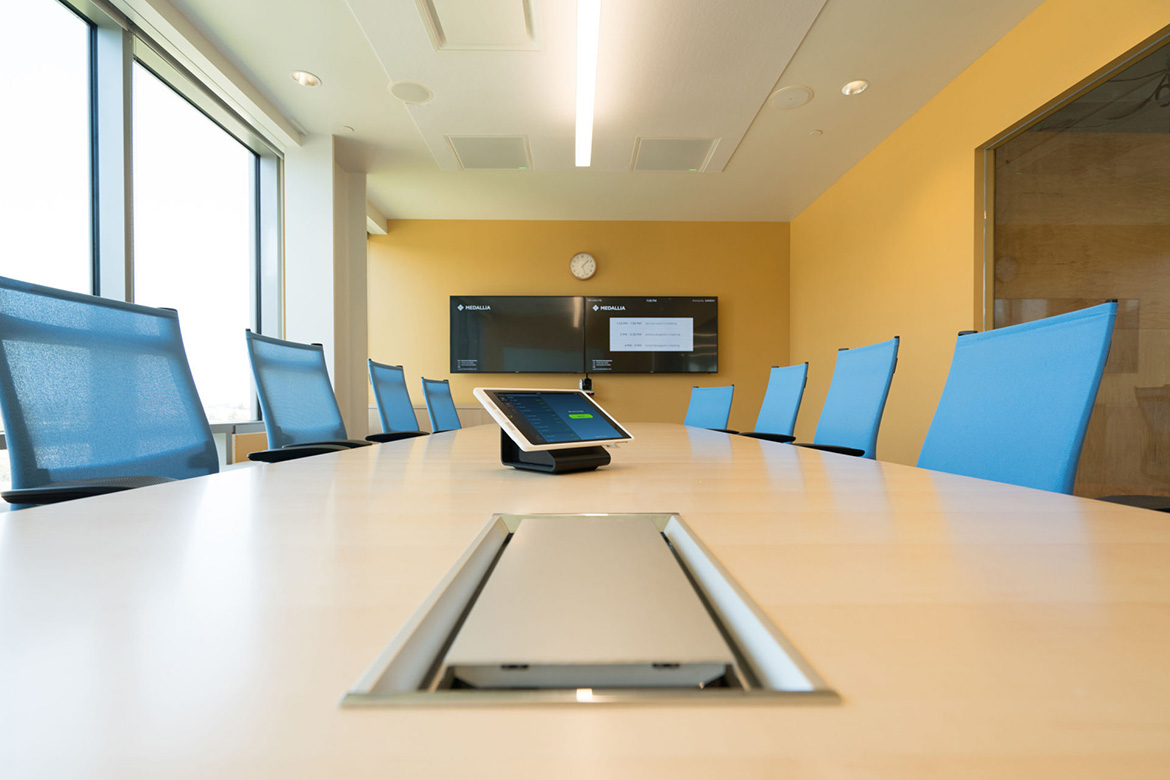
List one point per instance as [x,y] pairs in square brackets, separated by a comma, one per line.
[210,627]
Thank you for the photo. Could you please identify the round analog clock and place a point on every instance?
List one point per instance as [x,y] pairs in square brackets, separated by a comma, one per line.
[583,265]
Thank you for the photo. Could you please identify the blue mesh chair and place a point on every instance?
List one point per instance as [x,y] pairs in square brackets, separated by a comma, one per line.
[857,398]
[710,407]
[394,407]
[97,396]
[440,405]
[1017,400]
[301,415]
[777,415]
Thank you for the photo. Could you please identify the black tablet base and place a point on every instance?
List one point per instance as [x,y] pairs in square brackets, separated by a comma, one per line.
[551,461]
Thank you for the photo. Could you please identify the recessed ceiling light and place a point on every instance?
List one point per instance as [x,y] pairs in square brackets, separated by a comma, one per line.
[787,98]
[855,87]
[412,92]
[305,79]
[816,132]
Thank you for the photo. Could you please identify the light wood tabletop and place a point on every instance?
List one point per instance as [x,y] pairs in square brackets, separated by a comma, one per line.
[208,628]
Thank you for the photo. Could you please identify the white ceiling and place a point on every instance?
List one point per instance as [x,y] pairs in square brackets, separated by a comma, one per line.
[644,87]
[668,69]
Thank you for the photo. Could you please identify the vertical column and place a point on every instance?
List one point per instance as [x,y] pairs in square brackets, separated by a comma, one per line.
[325,269]
[308,243]
[350,321]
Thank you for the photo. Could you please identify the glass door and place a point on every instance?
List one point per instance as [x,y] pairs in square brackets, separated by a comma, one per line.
[1082,214]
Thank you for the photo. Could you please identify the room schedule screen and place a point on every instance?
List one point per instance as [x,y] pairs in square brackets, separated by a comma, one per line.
[556,418]
[651,335]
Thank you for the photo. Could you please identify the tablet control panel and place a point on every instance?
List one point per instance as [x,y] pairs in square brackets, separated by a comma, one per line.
[550,419]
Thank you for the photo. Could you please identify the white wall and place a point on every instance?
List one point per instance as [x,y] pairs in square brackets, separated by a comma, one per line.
[308,243]
[325,268]
[350,327]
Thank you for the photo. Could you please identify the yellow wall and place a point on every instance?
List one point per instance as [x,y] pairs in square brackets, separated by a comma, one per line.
[419,263]
[890,249]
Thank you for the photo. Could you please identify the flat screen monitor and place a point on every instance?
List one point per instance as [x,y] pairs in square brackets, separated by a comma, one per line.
[668,335]
[550,419]
[507,334]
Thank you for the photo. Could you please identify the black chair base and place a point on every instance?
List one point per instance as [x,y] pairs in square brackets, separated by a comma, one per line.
[833,448]
[78,488]
[382,438]
[782,438]
[295,451]
[345,444]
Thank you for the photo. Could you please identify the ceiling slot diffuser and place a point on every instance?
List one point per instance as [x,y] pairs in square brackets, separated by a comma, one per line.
[480,25]
[673,154]
[491,152]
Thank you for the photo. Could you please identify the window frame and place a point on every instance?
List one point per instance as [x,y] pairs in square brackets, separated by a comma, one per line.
[984,265]
[116,43]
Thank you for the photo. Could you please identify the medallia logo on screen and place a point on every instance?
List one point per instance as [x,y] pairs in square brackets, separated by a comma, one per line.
[608,308]
[461,307]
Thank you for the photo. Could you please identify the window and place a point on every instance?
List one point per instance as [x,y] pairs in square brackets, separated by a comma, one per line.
[45,204]
[195,191]
[126,177]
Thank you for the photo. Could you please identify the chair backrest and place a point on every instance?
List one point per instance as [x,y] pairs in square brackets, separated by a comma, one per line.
[296,398]
[710,407]
[857,396]
[392,397]
[782,399]
[440,405]
[1017,400]
[92,388]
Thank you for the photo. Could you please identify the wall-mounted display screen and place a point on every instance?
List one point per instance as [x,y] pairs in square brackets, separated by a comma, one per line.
[652,335]
[504,334]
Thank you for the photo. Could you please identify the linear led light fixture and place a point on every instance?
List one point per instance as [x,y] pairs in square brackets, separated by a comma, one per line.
[588,31]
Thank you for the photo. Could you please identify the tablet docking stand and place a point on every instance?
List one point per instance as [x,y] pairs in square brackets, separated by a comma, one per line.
[551,461]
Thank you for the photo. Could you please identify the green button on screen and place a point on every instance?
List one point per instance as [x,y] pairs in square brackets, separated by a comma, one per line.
[580,417]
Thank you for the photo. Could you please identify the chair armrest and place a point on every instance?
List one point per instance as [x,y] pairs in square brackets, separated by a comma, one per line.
[78,488]
[833,448]
[293,452]
[381,438]
[345,444]
[782,438]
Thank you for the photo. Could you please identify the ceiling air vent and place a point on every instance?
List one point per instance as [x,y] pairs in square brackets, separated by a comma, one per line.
[481,25]
[673,154]
[491,152]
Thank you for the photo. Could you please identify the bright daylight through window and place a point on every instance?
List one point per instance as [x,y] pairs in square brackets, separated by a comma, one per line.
[194,238]
[45,169]
[174,218]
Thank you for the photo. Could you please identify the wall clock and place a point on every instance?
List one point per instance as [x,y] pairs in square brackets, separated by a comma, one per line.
[583,265]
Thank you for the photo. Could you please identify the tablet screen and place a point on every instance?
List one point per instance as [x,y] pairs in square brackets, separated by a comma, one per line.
[549,417]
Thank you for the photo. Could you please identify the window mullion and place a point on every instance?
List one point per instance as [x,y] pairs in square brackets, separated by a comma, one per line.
[113,229]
